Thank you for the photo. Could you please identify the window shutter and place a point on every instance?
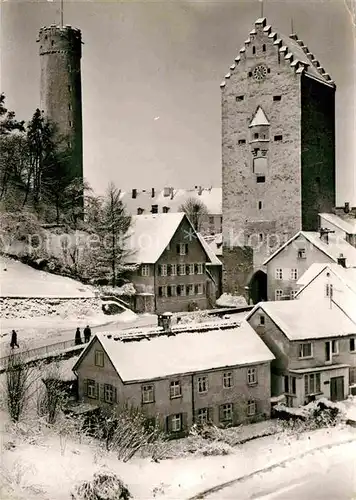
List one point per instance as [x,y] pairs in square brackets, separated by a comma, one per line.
[235,414]
[178,249]
[210,414]
[85,387]
[114,395]
[168,424]
[221,413]
[101,392]
[184,420]
[97,389]
[186,248]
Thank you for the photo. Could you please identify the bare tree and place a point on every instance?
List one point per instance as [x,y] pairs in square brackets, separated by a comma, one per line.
[196,211]
[20,384]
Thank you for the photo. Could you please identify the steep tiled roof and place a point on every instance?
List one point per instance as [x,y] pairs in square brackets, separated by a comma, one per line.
[186,352]
[292,49]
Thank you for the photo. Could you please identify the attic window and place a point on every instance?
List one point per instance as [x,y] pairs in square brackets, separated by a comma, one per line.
[240,98]
[99,358]
[277,97]
[278,138]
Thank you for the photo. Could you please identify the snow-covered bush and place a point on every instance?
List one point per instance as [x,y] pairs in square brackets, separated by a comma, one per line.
[200,316]
[104,486]
[228,300]
[126,289]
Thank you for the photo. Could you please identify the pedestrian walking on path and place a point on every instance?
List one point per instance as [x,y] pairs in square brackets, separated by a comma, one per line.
[13,342]
[87,334]
[78,338]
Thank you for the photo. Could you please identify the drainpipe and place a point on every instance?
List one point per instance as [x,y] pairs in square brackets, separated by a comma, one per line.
[193,402]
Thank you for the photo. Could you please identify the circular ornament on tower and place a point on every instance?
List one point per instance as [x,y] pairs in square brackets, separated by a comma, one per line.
[259,72]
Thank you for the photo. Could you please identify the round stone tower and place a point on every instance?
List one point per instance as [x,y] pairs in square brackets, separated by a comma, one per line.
[60,49]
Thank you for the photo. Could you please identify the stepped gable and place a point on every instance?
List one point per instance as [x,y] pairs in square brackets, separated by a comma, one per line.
[291,47]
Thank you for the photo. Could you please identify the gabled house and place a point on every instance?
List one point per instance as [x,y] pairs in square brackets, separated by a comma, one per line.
[314,348]
[286,265]
[332,284]
[217,372]
[343,226]
[174,264]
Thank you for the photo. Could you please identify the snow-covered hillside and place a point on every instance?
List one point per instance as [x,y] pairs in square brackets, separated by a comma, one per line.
[20,280]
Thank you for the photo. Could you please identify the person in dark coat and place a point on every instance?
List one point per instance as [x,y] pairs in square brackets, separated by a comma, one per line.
[13,342]
[87,334]
[78,338]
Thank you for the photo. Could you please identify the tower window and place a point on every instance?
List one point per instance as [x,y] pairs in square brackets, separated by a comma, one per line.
[242,141]
[278,137]
[70,123]
[69,88]
[253,50]
[52,43]
[260,179]
[260,237]
[260,205]
[69,145]
[277,97]
[255,136]
[250,73]
[268,70]
[264,47]
[69,107]
[240,98]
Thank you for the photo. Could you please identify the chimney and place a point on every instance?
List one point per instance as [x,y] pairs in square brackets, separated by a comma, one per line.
[153,192]
[165,321]
[324,234]
[200,190]
[134,193]
[341,260]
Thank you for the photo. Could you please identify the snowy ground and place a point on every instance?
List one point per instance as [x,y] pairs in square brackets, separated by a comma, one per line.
[68,462]
[20,280]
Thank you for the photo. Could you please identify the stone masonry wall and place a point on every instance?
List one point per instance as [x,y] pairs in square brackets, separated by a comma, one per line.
[19,308]
[243,221]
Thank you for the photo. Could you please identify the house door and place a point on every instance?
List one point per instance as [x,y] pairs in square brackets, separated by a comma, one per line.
[337,388]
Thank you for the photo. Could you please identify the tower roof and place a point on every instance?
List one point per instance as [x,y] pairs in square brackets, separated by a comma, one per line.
[291,48]
[259,118]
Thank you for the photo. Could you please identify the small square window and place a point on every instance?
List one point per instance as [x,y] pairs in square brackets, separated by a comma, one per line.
[251,407]
[147,394]
[165,210]
[353,345]
[241,141]
[305,350]
[277,97]
[227,380]
[278,138]
[202,384]
[260,179]
[301,253]
[251,376]
[99,358]
[262,319]
[175,389]
[240,98]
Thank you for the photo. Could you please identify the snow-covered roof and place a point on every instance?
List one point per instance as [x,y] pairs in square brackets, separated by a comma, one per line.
[347,275]
[259,118]
[187,352]
[335,248]
[21,280]
[209,251]
[211,197]
[215,243]
[345,224]
[312,271]
[149,235]
[301,321]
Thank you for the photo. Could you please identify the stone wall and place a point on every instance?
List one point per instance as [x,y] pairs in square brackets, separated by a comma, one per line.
[237,269]
[30,307]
